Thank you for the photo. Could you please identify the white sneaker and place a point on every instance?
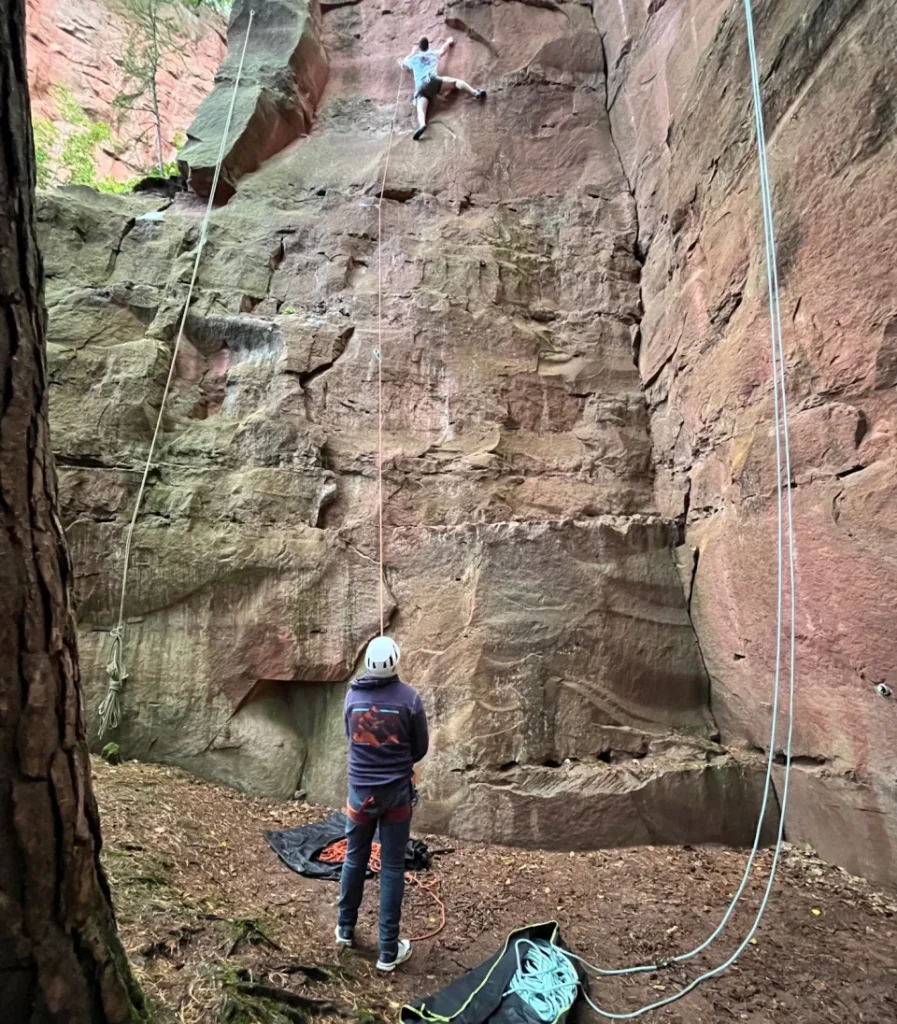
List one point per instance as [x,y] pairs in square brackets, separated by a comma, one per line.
[404,953]
[345,937]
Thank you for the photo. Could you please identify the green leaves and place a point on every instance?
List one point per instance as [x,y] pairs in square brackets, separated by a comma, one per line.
[46,138]
[67,155]
[78,152]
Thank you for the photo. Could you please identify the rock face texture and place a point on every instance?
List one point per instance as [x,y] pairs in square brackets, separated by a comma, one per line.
[76,43]
[283,74]
[679,101]
[530,577]
[573,295]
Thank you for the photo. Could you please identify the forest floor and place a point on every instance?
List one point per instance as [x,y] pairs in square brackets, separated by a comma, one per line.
[214,923]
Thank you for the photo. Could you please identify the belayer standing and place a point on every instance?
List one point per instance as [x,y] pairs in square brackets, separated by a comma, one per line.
[387,730]
[423,63]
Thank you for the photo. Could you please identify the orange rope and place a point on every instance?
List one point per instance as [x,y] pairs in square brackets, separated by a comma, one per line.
[335,853]
[431,888]
[392,129]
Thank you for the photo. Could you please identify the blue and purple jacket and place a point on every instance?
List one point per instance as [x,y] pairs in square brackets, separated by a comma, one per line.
[387,729]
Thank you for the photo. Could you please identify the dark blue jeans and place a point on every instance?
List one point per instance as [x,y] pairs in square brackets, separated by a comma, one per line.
[388,807]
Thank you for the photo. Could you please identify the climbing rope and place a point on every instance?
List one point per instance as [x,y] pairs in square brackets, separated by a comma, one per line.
[543,982]
[110,708]
[545,979]
[335,853]
[379,356]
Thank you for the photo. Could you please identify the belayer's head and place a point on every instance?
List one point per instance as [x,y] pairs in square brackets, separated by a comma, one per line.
[382,657]
[423,44]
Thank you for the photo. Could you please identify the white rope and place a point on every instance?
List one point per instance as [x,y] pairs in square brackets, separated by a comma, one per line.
[784,511]
[110,708]
[381,584]
[545,979]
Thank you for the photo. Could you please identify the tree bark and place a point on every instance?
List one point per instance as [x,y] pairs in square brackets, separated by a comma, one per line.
[61,961]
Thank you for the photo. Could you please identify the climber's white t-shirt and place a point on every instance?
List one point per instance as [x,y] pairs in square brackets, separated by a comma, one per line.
[423,65]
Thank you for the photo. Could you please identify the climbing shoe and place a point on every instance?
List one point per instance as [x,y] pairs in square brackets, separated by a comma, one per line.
[345,937]
[389,964]
[480,94]
[419,133]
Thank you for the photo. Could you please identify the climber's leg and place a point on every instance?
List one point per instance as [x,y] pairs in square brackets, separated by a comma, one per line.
[422,104]
[428,91]
[359,838]
[458,83]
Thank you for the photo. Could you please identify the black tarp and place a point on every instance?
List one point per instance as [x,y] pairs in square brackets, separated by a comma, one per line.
[480,995]
[299,848]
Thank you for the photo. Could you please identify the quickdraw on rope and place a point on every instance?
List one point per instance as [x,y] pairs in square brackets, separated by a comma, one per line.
[110,708]
[335,853]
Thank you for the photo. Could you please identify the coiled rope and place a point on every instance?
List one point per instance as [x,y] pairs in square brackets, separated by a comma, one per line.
[110,708]
[544,981]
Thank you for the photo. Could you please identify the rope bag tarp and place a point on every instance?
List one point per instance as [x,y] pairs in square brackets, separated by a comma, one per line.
[300,848]
[482,995]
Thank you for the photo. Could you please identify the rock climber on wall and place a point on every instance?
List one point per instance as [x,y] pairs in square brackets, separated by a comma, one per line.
[423,63]
[387,730]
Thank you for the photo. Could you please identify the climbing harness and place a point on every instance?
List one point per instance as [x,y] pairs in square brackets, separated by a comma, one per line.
[378,355]
[110,708]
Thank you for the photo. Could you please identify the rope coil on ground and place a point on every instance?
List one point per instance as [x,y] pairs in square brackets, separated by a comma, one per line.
[110,708]
[545,979]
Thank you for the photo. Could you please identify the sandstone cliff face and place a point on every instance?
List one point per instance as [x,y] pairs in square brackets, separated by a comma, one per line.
[282,70]
[679,100]
[530,576]
[78,44]
[571,298]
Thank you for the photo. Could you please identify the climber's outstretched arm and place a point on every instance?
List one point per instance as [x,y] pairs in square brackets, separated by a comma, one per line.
[449,42]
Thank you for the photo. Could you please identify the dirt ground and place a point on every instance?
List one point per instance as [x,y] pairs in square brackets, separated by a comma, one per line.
[214,924]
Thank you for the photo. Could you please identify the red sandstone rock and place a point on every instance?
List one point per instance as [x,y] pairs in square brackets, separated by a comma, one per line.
[680,93]
[283,74]
[74,43]
[526,553]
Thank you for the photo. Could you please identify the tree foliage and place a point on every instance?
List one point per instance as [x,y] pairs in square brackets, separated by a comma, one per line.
[221,6]
[67,155]
[46,138]
[154,36]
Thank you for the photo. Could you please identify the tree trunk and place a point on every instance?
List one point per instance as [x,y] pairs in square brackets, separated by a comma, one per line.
[158,119]
[157,62]
[61,961]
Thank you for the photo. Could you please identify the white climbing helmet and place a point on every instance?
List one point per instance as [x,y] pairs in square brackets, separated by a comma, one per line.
[382,657]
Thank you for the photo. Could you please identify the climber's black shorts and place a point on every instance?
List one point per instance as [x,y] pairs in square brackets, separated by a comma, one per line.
[430,89]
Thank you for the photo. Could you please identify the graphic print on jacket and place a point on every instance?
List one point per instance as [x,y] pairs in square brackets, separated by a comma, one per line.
[387,730]
[372,727]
